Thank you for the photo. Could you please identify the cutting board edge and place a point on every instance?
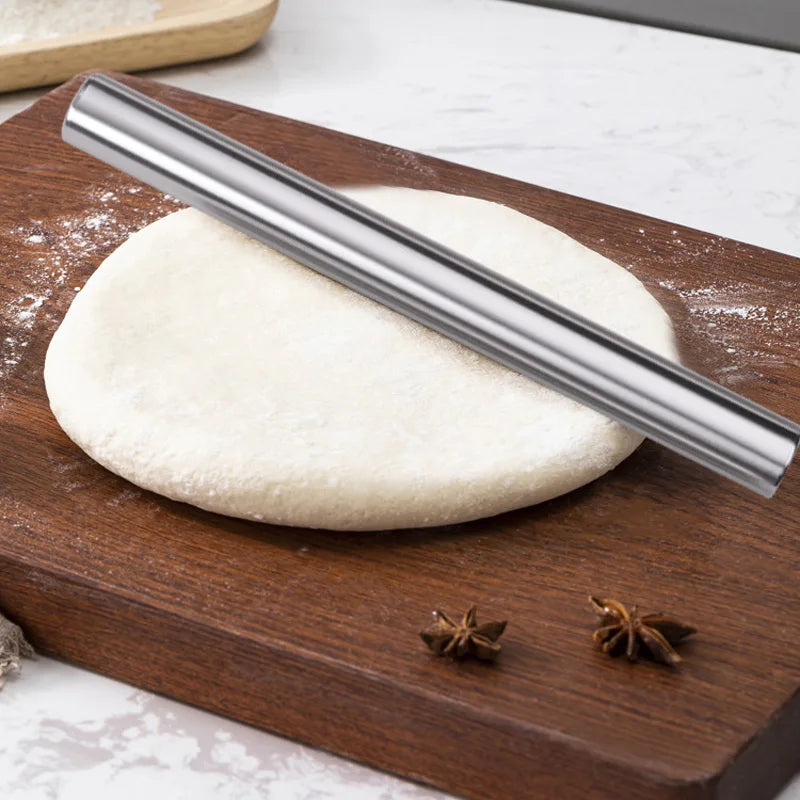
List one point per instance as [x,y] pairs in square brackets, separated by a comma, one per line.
[19,579]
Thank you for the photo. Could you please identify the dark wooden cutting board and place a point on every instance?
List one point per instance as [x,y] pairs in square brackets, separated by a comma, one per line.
[314,634]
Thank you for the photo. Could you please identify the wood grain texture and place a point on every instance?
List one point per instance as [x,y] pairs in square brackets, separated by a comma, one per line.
[183,30]
[313,634]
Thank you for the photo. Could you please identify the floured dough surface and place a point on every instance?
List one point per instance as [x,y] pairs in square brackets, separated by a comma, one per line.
[207,367]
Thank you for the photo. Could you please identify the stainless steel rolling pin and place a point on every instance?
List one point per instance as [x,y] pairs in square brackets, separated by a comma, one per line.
[431,284]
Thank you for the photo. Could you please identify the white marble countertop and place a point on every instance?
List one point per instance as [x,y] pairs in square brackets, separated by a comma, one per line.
[694,130]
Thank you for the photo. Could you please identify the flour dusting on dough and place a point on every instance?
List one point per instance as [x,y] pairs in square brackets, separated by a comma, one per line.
[202,365]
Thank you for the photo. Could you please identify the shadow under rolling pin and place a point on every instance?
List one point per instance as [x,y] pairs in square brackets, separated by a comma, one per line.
[429,283]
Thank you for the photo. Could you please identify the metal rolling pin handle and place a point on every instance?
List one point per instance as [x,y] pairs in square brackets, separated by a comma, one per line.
[431,284]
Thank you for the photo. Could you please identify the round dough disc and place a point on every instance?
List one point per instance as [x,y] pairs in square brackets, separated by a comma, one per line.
[210,368]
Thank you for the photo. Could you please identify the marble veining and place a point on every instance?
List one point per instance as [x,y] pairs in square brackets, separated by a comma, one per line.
[69,734]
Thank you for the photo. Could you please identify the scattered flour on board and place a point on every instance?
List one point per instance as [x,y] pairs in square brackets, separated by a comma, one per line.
[754,323]
[31,20]
[52,256]
[751,333]
[18,315]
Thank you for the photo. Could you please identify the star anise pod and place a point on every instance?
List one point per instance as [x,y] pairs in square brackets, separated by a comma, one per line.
[626,631]
[457,639]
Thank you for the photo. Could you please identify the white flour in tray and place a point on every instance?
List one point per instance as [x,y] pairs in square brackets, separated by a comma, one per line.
[31,20]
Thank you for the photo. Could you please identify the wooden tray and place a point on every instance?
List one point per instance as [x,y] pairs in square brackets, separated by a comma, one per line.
[183,30]
[314,634]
